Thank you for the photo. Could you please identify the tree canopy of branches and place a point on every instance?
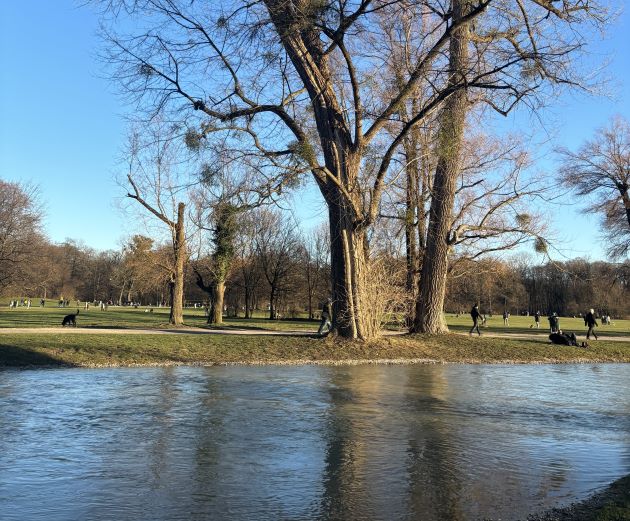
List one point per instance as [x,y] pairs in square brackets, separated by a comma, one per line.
[277,249]
[600,172]
[20,235]
[295,86]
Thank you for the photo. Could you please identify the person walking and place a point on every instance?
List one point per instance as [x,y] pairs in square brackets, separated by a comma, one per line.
[554,323]
[537,319]
[506,318]
[591,322]
[474,314]
[326,321]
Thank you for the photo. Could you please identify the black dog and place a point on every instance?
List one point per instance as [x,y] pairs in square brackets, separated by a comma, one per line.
[70,320]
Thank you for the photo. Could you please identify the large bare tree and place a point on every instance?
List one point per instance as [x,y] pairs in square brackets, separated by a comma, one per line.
[157,183]
[290,85]
[599,171]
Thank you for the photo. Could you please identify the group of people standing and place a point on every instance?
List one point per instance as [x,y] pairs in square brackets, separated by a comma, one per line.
[590,321]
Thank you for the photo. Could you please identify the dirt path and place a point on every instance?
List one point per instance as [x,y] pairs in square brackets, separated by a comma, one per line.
[544,337]
[260,332]
[133,331]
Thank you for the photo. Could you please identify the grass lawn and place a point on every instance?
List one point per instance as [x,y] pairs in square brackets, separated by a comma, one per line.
[519,324]
[125,317]
[128,317]
[20,350]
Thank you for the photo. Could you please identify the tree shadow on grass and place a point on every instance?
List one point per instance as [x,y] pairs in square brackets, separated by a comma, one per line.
[11,356]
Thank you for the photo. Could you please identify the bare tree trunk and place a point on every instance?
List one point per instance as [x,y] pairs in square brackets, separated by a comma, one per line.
[310,305]
[179,249]
[171,297]
[411,217]
[217,313]
[623,190]
[348,256]
[272,299]
[430,304]
[120,295]
[248,307]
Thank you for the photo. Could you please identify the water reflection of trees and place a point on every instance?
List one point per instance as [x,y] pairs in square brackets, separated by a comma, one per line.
[384,444]
[434,483]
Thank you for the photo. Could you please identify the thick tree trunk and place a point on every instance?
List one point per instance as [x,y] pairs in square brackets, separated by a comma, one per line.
[348,258]
[217,313]
[430,304]
[342,157]
[179,249]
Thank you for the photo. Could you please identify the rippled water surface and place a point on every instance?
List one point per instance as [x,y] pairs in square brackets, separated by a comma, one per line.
[299,443]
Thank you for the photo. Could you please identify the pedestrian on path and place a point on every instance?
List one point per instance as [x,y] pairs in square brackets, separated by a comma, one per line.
[474,314]
[326,322]
[591,322]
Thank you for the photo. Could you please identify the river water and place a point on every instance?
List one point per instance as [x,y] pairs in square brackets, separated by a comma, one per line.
[416,442]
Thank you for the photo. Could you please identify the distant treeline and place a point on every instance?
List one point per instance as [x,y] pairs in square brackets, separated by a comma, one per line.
[568,288]
[134,275]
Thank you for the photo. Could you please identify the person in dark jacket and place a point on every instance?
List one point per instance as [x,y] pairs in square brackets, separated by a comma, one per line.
[474,313]
[326,321]
[589,320]
[554,323]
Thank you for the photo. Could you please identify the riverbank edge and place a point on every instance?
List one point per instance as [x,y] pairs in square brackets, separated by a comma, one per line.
[610,504]
[109,351]
[308,362]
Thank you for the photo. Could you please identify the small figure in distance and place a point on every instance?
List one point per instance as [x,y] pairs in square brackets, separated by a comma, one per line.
[591,322]
[474,314]
[554,323]
[70,320]
[506,318]
[536,320]
[326,321]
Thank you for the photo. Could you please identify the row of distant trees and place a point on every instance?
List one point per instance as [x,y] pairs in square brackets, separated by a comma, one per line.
[266,263]
[568,288]
[269,264]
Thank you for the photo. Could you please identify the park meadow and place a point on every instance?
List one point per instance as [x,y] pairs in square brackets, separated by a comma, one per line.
[126,336]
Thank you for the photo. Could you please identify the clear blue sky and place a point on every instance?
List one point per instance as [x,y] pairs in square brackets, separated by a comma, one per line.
[61,123]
